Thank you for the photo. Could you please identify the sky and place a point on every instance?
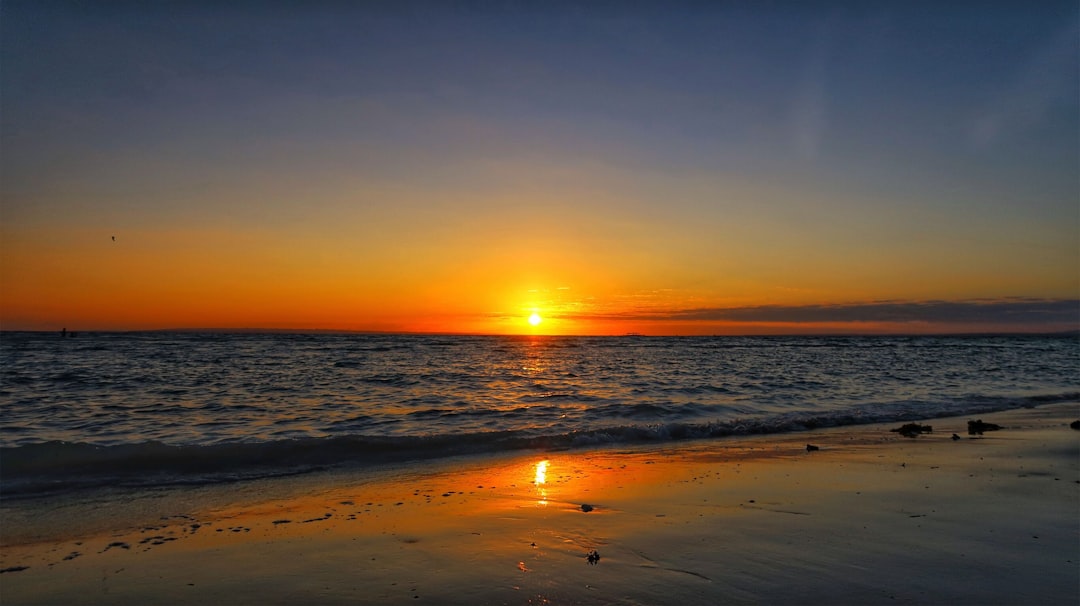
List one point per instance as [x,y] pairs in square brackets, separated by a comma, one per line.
[612,167]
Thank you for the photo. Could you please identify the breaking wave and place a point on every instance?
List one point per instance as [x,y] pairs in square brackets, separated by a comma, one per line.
[56,466]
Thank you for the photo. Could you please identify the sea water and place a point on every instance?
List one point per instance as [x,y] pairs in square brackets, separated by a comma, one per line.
[161,408]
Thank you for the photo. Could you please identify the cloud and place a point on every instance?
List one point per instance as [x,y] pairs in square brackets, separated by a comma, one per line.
[1013,311]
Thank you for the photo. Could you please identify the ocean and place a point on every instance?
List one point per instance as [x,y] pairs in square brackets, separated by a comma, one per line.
[160,408]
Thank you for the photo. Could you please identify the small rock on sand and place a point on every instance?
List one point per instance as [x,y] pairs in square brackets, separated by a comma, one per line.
[977,427]
[911,430]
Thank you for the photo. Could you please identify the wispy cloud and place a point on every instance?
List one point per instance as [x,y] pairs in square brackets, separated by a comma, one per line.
[1012,311]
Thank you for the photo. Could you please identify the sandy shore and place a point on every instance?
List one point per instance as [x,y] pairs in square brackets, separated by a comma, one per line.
[870,518]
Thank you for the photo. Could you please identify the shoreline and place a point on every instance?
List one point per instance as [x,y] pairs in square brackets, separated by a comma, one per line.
[61,469]
[871,517]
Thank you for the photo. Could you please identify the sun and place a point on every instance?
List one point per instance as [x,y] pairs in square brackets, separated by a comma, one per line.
[535,319]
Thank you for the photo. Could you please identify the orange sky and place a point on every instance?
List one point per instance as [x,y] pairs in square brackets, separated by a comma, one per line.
[183,278]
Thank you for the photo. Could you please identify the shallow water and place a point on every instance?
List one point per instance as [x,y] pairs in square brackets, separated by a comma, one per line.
[195,404]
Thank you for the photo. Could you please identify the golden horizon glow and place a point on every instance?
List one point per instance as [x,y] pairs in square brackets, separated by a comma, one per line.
[78,278]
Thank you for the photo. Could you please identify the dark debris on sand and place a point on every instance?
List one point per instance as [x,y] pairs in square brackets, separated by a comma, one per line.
[977,427]
[913,430]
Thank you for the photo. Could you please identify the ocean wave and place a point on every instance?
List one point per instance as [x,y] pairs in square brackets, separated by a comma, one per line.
[57,466]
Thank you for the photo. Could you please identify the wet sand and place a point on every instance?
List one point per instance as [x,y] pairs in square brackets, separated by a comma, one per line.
[871,518]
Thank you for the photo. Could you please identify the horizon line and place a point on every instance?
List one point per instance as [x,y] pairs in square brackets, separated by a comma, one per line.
[349,331]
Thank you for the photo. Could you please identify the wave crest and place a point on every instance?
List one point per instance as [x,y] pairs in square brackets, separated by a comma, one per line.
[64,466]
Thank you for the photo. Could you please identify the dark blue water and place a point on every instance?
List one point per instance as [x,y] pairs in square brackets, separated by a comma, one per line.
[167,407]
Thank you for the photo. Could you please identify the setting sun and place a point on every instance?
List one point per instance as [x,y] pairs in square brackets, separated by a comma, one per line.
[535,319]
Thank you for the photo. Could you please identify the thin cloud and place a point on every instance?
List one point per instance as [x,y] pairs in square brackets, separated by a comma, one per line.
[996,311]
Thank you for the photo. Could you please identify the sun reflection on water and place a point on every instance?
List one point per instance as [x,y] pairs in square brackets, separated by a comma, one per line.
[536,356]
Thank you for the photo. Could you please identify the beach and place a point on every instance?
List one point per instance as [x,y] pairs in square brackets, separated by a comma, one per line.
[488,303]
[870,517]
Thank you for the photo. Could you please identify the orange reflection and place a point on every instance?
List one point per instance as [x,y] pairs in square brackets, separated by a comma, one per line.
[540,480]
[535,354]
[541,472]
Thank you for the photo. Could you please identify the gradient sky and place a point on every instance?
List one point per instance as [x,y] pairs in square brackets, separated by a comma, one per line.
[664,168]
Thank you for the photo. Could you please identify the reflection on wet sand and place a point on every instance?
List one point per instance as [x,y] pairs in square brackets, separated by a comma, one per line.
[540,481]
[712,521]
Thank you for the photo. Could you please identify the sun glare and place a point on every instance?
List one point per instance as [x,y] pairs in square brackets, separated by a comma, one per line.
[541,473]
[535,319]
[541,479]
